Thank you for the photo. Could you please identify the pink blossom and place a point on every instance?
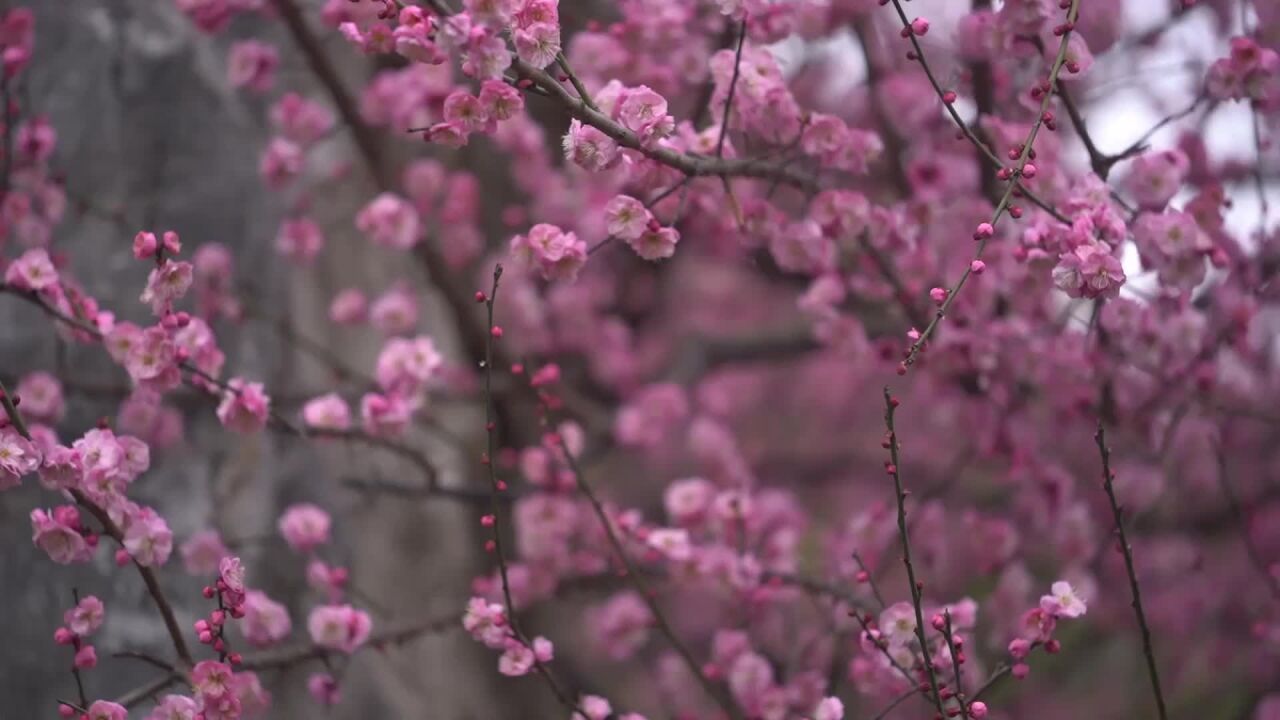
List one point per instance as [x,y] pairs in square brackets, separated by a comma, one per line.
[621,625]
[1089,271]
[626,217]
[244,407]
[407,365]
[538,44]
[151,355]
[281,162]
[61,468]
[644,112]
[304,527]
[165,284]
[1155,177]
[898,623]
[63,544]
[390,220]
[672,543]
[395,312]
[300,120]
[349,307]
[252,64]
[339,627]
[414,37]
[86,617]
[500,101]
[265,621]
[327,412]
[1062,601]
[486,622]
[595,707]
[174,707]
[41,395]
[106,710]
[203,552]
[231,573]
[32,271]
[18,457]
[324,688]
[384,415]
[656,244]
[300,240]
[148,538]
[590,148]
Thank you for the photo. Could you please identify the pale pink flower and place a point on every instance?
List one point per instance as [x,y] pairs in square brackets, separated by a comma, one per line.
[339,627]
[626,218]
[265,621]
[304,527]
[391,221]
[41,395]
[349,307]
[252,64]
[538,44]
[656,244]
[244,407]
[589,148]
[53,535]
[327,412]
[33,270]
[203,552]
[1062,601]
[300,240]
[148,538]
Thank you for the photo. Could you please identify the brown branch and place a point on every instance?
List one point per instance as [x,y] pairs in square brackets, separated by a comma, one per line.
[113,530]
[1108,477]
[1028,145]
[288,657]
[917,587]
[638,582]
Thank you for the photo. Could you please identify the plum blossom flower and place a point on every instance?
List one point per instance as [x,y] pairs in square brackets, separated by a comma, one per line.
[589,148]
[672,543]
[304,527]
[265,621]
[244,407]
[33,270]
[252,64]
[148,538]
[391,221]
[203,551]
[1062,601]
[18,457]
[339,627]
[656,243]
[52,534]
[1089,271]
[538,44]
[41,395]
[174,707]
[327,412]
[300,240]
[106,710]
[898,623]
[626,218]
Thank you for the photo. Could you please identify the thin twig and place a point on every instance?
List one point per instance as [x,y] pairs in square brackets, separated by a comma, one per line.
[637,580]
[113,530]
[733,86]
[917,588]
[1100,437]
[1028,145]
[496,488]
